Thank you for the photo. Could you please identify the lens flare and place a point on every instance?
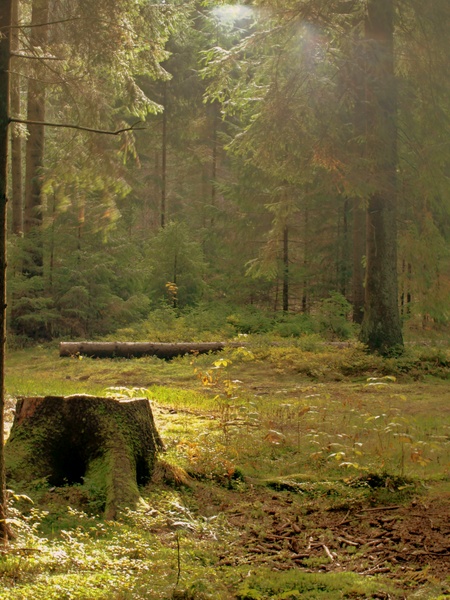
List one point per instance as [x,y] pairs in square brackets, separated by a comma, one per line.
[229,14]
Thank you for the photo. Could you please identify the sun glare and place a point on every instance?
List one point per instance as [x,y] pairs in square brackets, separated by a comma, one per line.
[228,14]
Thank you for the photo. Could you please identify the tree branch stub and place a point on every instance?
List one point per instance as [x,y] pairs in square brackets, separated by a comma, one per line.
[79,127]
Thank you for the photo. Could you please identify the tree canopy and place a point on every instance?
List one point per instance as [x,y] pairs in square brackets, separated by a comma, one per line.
[266,131]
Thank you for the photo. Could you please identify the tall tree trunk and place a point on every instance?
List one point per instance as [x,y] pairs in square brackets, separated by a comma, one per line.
[16,140]
[205,195]
[286,269]
[305,291]
[35,146]
[215,108]
[405,296]
[343,249]
[359,245]
[358,210]
[52,246]
[381,328]
[5,57]
[155,218]
[164,161]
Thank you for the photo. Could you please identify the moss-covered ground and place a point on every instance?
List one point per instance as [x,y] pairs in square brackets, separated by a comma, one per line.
[292,470]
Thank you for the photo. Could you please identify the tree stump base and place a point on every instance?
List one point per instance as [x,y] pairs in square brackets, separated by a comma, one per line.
[109,446]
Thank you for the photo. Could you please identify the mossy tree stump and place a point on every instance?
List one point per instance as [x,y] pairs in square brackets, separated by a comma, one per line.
[107,445]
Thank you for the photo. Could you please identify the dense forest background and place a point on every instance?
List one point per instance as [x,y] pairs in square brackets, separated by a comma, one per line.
[240,194]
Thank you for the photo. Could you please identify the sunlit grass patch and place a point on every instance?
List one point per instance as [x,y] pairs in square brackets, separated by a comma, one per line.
[293,585]
[259,423]
[182,399]
[326,430]
[146,554]
[249,433]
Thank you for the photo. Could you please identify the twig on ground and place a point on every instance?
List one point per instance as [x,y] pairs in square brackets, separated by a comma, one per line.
[379,508]
[328,553]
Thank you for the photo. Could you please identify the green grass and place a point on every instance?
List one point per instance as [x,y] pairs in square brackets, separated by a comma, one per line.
[311,586]
[136,557]
[262,418]
[246,428]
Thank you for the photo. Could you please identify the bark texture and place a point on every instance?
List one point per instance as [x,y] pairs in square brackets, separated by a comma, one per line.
[16,141]
[106,445]
[137,349]
[33,209]
[5,57]
[359,251]
[381,327]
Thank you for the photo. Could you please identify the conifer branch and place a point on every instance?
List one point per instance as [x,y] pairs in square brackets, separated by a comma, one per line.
[62,21]
[19,55]
[79,127]
[58,22]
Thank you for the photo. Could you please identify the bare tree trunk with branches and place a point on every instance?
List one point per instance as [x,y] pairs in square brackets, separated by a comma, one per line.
[5,57]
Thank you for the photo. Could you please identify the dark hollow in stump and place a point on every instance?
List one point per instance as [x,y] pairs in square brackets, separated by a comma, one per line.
[137,349]
[107,445]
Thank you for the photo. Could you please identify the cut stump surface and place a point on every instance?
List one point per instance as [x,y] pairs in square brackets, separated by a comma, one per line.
[107,445]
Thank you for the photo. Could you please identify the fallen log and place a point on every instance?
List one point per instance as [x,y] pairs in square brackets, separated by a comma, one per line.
[106,446]
[137,349]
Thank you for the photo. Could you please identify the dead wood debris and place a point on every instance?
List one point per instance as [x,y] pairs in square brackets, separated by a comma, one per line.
[366,541]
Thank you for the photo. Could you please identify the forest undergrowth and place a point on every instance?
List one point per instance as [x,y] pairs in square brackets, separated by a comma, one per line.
[294,469]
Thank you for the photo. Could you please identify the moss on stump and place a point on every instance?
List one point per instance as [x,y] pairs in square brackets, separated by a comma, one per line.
[109,446]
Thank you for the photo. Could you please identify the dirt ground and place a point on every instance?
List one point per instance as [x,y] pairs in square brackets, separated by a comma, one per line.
[409,543]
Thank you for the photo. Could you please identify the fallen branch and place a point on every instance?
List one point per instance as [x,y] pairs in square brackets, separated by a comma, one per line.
[345,519]
[348,542]
[429,553]
[374,570]
[328,553]
[380,508]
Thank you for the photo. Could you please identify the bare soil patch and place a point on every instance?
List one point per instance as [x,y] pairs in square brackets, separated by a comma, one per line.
[409,543]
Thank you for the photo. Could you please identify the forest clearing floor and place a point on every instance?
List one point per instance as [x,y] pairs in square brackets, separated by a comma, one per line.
[274,484]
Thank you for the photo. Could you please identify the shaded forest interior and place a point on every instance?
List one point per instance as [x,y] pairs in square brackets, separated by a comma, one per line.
[266,147]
